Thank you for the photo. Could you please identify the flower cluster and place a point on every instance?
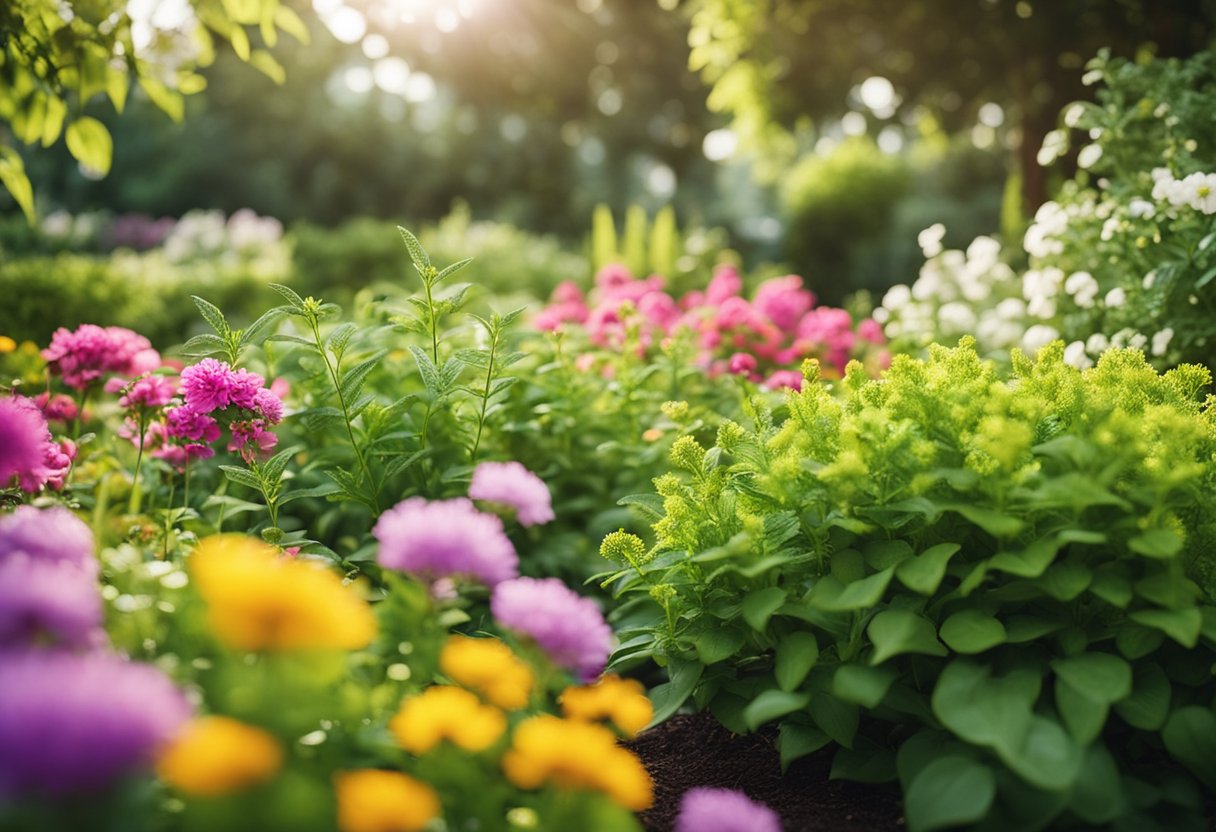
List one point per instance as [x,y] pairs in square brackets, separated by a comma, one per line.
[446,714]
[69,721]
[512,485]
[622,701]
[212,391]
[487,666]
[444,539]
[28,453]
[569,628]
[759,338]
[86,355]
[724,810]
[217,755]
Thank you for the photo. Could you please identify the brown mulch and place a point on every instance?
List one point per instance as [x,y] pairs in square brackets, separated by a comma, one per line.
[695,750]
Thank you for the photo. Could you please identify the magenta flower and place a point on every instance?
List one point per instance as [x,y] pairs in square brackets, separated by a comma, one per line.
[49,534]
[511,484]
[443,538]
[783,301]
[871,330]
[742,364]
[210,385]
[784,378]
[48,600]
[77,722]
[569,628]
[187,423]
[149,392]
[56,408]
[23,438]
[179,456]
[90,352]
[706,809]
[269,404]
[726,283]
[252,440]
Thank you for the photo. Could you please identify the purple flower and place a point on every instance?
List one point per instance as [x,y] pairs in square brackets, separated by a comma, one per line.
[75,722]
[50,534]
[269,405]
[48,599]
[445,538]
[511,484]
[724,810]
[569,628]
[23,435]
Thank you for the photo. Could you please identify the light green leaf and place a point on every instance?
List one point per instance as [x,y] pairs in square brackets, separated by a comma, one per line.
[924,572]
[90,143]
[759,605]
[772,704]
[12,176]
[1156,543]
[899,631]
[830,595]
[951,791]
[796,655]
[971,631]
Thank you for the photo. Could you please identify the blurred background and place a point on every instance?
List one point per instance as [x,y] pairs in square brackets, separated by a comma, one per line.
[821,135]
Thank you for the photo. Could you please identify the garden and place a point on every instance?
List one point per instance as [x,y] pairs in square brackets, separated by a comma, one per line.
[473,415]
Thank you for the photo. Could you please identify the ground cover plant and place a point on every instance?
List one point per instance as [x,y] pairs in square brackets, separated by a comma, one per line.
[995,590]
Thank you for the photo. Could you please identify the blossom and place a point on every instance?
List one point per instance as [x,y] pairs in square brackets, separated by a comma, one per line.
[51,534]
[269,404]
[741,363]
[83,356]
[444,713]
[570,754]
[569,628]
[252,440]
[1083,288]
[217,755]
[487,666]
[1115,298]
[511,484]
[784,378]
[726,283]
[371,800]
[71,722]
[212,385]
[57,407]
[259,601]
[43,599]
[185,422]
[23,437]
[445,538]
[148,392]
[623,701]
[783,301]
[1038,336]
[724,810]
[1075,356]
[1161,341]
[930,240]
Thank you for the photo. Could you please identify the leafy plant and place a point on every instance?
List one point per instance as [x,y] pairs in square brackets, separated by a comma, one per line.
[996,590]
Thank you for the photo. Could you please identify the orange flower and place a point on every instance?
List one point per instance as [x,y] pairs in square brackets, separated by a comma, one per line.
[446,713]
[371,800]
[621,700]
[487,666]
[216,755]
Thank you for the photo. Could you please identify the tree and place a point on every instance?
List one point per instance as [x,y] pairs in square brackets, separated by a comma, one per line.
[770,63]
[57,58]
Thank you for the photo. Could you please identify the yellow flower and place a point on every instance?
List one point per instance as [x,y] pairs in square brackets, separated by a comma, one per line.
[7,344]
[216,755]
[621,700]
[371,800]
[576,755]
[258,600]
[487,666]
[447,713]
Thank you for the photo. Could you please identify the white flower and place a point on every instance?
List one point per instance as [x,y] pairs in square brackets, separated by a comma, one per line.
[897,297]
[881,315]
[1115,298]
[1074,355]
[1149,280]
[995,333]
[1011,309]
[1038,336]
[956,318]
[1137,341]
[1096,344]
[1161,173]
[1141,209]
[930,240]
[1161,341]
[1041,307]
[1042,284]
[1083,288]
[1201,192]
[984,249]
[1109,228]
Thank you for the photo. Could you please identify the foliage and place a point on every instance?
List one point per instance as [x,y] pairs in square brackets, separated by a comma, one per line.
[56,61]
[997,590]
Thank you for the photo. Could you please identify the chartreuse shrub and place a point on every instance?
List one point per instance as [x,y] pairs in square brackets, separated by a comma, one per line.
[995,590]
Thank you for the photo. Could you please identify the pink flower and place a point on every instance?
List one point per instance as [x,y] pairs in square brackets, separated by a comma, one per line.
[179,456]
[783,301]
[552,317]
[784,378]
[726,283]
[280,387]
[23,435]
[149,392]
[82,357]
[187,423]
[734,313]
[568,292]
[252,440]
[212,385]
[660,309]
[613,276]
[742,364]
[56,408]
[511,484]
[57,464]
[445,538]
[871,330]
[267,403]
[569,628]
[705,809]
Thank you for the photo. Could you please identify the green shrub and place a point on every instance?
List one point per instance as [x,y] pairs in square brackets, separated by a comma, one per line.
[997,591]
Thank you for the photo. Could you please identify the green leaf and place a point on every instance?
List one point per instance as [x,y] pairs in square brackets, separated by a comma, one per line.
[837,719]
[795,741]
[894,632]
[203,345]
[1190,737]
[669,696]
[1083,716]
[771,704]
[993,522]
[1156,543]
[212,315]
[1172,590]
[427,369]
[1136,641]
[418,255]
[951,791]
[650,504]
[1102,677]
[1065,581]
[864,765]
[991,712]
[923,574]
[289,295]
[1097,798]
[882,554]
[90,143]
[1180,625]
[717,644]
[169,102]
[242,476]
[1032,561]
[829,594]
[305,493]
[759,605]
[1023,628]
[862,685]
[452,269]
[1047,757]
[971,631]
[353,379]
[15,181]
[796,655]
[1149,703]
[265,63]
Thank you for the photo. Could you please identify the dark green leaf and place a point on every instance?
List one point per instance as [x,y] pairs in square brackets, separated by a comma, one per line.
[950,791]
[650,504]
[796,655]
[669,696]
[837,719]
[971,631]
[1156,543]
[1190,737]
[772,704]
[1083,716]
[1180,625]
[869,765]
[829,594]
[242,476]
[717,644]
[795,741]
[759,605]
[862,685]
[923,574]
[1149,703]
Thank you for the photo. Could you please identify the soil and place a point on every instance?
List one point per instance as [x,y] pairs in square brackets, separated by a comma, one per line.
[695,750]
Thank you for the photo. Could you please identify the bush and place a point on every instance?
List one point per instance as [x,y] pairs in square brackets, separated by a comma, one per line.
[957,578]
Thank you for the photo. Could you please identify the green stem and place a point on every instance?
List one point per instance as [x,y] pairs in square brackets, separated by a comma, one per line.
[350,431]
[133,504]
[430,308]
[485,399]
